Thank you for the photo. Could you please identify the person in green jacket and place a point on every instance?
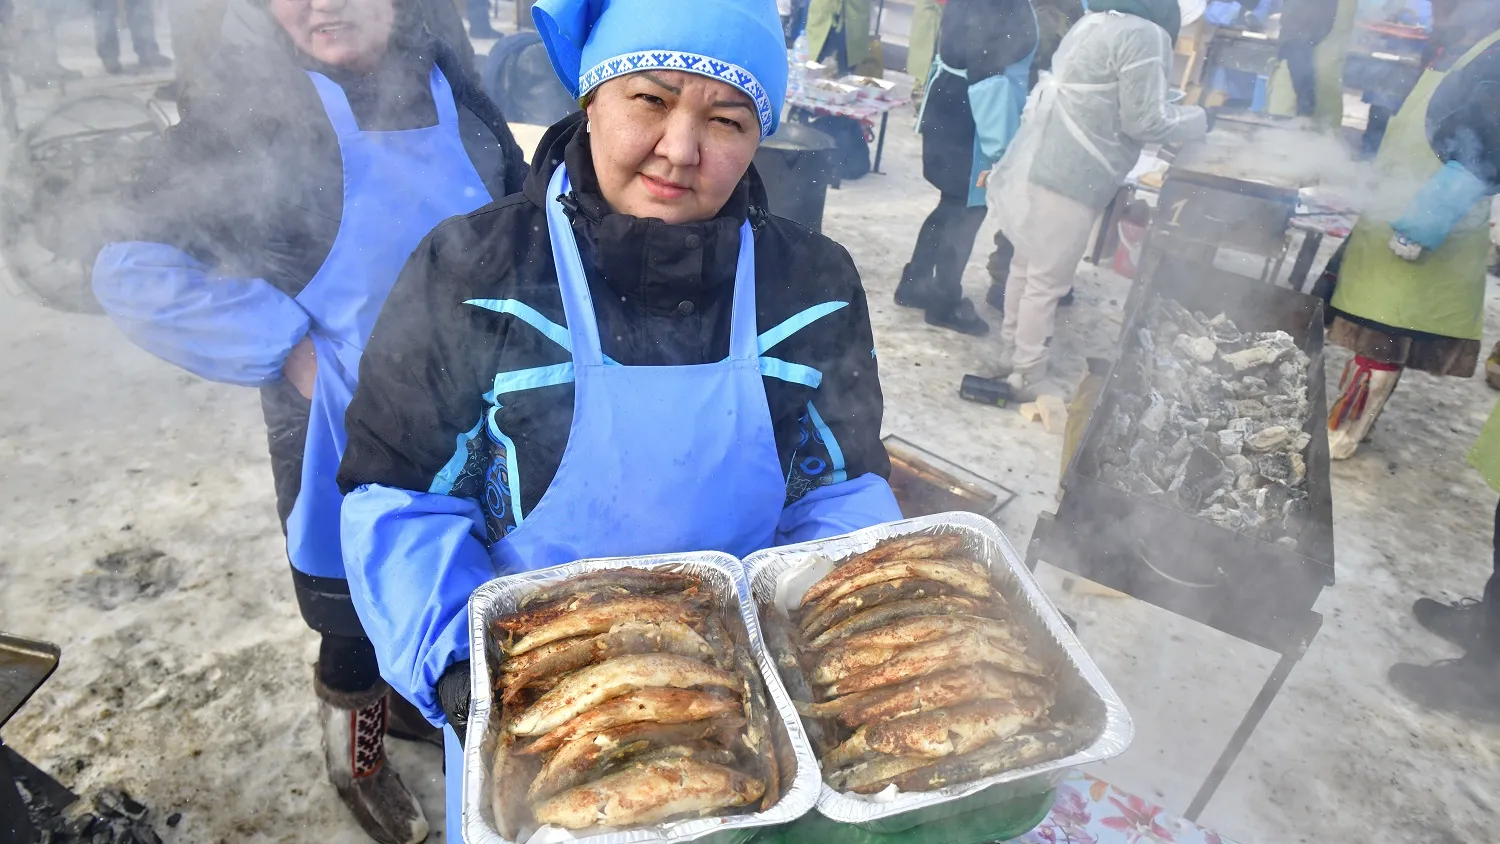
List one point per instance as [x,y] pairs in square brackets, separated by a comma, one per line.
[922,45]
[1469,686]
[1410,283]
[839,31]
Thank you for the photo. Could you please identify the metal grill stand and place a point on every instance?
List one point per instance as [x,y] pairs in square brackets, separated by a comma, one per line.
[1256,591]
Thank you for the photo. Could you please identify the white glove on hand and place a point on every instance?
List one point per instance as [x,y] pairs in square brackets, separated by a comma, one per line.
[1405,249]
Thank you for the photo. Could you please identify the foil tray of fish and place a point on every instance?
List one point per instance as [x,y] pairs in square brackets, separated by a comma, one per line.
[928,666]
[1211,421]
[628,700]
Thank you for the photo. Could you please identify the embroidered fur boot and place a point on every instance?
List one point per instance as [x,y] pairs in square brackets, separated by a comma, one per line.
[354,727]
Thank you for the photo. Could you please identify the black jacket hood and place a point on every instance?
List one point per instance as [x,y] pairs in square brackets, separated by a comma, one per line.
[644,259]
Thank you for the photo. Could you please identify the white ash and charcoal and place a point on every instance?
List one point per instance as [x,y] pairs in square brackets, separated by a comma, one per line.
[1211,422]
[116,818]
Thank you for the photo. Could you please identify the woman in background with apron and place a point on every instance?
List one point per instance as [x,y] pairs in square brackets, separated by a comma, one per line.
[1410,283]
[632,356]
[970,112]
[327,140]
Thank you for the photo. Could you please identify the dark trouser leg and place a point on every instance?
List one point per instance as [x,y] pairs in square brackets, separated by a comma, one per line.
[141,18]
[1491,635]
[1369,142]
[347,663]
[106,30]
[924,258]
[1299,63]
[956,247]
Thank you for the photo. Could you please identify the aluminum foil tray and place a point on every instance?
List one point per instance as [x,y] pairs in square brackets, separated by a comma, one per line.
[719,571]
[780,576]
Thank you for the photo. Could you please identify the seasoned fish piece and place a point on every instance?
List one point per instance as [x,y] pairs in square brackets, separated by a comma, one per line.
[588,687]
[823,616]
[629,580]
[932,657]
[663,706]
[626,637]
[1008,754]
[895,611]
[873,648]
[952,731]
[925,694]
[780,641]
[586,756]
[965,576]
[909,547]
[703,751]
[509,774]
[598,618]
[513,666]
[757,736]
[650,793]
[880,769]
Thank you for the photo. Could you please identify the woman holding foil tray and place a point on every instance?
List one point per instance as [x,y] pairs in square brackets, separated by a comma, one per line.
[631,356]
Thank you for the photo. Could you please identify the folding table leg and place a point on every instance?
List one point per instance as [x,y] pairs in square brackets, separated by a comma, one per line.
[885,117]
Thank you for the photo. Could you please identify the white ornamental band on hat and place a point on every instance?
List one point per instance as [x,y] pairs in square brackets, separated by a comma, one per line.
[738,42]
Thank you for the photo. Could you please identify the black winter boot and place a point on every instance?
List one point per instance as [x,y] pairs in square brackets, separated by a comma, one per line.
[354,727]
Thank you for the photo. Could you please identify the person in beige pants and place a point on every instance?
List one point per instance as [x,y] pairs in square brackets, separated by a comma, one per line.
[1083,129]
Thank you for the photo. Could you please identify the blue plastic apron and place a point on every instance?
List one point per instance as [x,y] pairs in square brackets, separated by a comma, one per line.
[397,187]
[659,458]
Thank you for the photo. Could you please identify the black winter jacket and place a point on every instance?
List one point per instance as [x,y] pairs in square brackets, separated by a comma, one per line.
[662,294]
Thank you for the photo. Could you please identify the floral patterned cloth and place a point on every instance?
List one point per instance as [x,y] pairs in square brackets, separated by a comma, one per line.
[1091,811]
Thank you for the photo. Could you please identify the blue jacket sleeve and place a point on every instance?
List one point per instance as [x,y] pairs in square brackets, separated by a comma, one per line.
[838,508]
[1443,201]
[997,103]
[413,559]
[235,330]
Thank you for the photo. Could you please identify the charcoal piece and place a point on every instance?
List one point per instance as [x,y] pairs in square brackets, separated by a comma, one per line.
[1289,542]
[1246,481]
[1180,415]
[1299,470]
[146,835]
[1300,441]
[1185,321]
[1244,425]
[1255,356]
[1200,349]
[1251,387]
[1223,329]
[1277,467]
[1238,464]
[1269,439]
[1231,441]
[130,808]
[1251,409]
[1148,343]
[1180,450]
[109,803]
[174,819]
[1155,414]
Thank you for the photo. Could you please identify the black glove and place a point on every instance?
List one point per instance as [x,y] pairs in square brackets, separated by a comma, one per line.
[453,697]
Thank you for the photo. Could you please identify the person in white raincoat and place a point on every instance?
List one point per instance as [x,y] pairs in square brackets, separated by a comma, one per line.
[1082,130]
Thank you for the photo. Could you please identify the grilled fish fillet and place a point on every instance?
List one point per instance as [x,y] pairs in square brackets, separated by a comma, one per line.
[885,614]
[910,547]
[757,737]
[925,694]
[598,618]
[780,641]
[662,706]
[878,770]
[579,760]
[629,580]
[588,687]
[931,657]
[965,576]
[952,731]
[513,666]
[650,793]
[822,616]
[1008,754]
[873,648]
[627,637]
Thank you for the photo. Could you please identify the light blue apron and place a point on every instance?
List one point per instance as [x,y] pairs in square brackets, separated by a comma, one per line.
[397,187]
[659,458]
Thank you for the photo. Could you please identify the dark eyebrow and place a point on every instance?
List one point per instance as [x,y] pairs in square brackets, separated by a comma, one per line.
[717,103]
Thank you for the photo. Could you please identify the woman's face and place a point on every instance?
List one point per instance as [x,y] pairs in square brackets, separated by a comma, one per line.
[350,34]
[670,144]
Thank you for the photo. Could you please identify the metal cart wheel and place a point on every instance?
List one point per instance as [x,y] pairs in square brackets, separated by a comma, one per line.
[63,190]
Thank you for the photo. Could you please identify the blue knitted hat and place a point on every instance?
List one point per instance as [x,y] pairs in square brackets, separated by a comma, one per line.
[738,42]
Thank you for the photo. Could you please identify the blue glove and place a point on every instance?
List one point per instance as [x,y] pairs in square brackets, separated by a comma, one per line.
[1441,203]
[1222,12]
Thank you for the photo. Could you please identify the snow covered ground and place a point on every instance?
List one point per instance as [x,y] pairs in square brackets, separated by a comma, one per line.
[139,534]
